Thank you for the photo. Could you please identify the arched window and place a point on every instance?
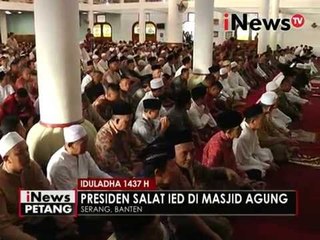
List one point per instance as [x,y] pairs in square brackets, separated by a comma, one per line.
[150,30]
[102,30]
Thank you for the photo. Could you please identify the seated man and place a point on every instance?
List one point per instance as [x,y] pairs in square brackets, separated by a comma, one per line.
[94,89]
[160,164]
[19,104]
[144,127]
[72,161]
[251,158]
[157,90]
[125,84]
[180,82]
[212,100]
[18,171]
[284,105]
[90,114]
[218,152]
[103,104]
[228,91]
[117,148]
[199,176]
[236,81]
[199,114]
[270,136]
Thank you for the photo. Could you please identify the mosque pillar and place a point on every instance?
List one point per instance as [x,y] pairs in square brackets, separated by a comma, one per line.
[274,14]
[91,20]
[3,27]
[203,36]
[142,26]
[174,30]
[263,34]
[58,68]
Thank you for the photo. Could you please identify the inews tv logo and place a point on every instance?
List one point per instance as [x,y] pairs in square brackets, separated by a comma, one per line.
[52,202]
[256,24]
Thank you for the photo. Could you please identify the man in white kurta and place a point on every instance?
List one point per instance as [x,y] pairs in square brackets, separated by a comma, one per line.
[249,154]
[227,89]
[236,81]
[72,161]
[157,88]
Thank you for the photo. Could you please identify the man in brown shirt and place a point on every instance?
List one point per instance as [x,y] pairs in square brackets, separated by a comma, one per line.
[18,171]
[117,148]
[103,104]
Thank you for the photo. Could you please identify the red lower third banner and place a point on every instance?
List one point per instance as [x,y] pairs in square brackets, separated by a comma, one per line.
[117,184]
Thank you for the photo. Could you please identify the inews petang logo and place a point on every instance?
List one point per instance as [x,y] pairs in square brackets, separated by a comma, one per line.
[257,24]
[46,203]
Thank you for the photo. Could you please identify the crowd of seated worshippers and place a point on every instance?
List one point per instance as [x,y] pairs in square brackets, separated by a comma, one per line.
[152,121]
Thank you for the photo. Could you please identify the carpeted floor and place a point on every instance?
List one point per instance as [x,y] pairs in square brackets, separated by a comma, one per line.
[303,179]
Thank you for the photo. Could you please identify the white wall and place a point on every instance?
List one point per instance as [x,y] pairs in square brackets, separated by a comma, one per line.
[305,35]
[128,19]
[24,24]
[21,23]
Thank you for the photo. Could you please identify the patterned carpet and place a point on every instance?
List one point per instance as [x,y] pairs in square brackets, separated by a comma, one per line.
[304,179]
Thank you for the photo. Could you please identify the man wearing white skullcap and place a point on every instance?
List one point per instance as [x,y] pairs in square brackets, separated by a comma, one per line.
[270,136]
[18,171]
[157,90]
[228,91]
[72,161]
[236,81]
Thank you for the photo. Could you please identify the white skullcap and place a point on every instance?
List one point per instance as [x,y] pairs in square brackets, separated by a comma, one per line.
[156,83]
[95,57]
[8,141]
[234,64]
[279,80]
[81,42]
[223,71]
[225,63]
[142,63]
[103,55]
[74,133]
[111,49]
[269,98]
[130,57]
[120,55]
[271,86]
[163,51]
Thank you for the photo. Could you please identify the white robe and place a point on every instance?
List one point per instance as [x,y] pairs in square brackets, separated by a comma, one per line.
[280,119]
[84,56]
[237,83]
[168,70]
[199,118]
[227,90]
[103,65]
[64,170]
[249,154]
